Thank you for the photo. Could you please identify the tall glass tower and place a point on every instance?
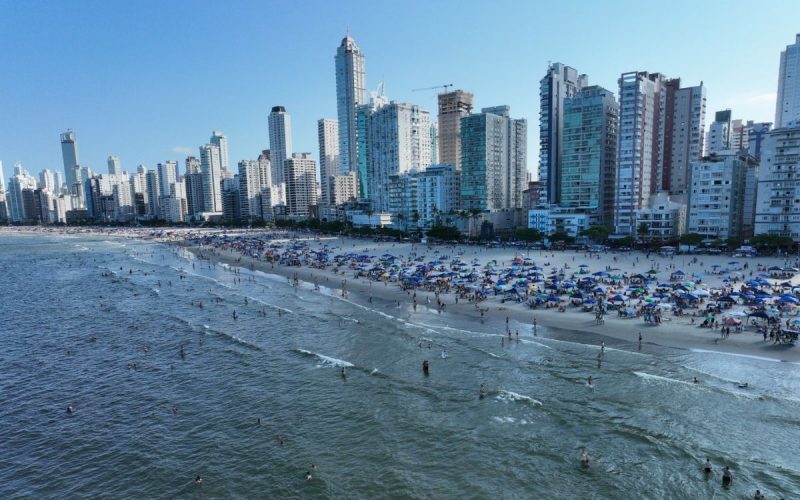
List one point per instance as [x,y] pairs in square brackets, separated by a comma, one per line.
[351,91]
[69,153]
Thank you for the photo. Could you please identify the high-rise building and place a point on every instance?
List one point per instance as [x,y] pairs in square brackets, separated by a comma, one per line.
[589,154]
[344,188]
[377,100]
[637,152]
[211,172]
[787,107]
[47,182]
[328,135]
[280,142]
[221,141]
[2,178]
[681,132]
[453,106]
[351,91]
[231,209]
[435,143]
[114,166]
[716,204]
[265,169]
[661,130]
[778,198]
[493,160]
[559,83]
[167,176]
[194,193]
[249,189]
[398,137]
[69,154]
[301,191]
[756,132]
[153,194]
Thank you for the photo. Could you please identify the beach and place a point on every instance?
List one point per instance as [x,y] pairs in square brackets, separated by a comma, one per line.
[674,331]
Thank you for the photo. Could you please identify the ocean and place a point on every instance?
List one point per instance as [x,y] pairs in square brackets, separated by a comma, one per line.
[164,390]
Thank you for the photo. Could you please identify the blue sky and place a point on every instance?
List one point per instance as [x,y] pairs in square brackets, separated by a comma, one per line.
[149,80]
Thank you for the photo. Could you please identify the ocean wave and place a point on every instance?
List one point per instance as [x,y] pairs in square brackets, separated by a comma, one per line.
[508,396]
[326,359]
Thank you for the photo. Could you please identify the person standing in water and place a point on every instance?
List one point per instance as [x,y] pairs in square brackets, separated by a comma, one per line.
[727,476]
[707,467]
[584,459]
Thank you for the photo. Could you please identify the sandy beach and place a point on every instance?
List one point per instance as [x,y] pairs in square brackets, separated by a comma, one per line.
[674,331]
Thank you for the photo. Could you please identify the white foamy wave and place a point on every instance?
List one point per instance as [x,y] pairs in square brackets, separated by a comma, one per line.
[508,396]
[650,376]
[327,359]
[749,356]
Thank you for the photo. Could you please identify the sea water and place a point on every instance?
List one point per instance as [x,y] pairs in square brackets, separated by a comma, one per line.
[164,390]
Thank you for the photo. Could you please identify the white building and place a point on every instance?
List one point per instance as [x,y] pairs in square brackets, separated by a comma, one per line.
[250,189]
[778,196]
[787,107]
[221,141]
[301,191]
[663,218]
[344,188]
[551,219]
[211,172]
[399,141]
[114,166]
[167,176]
[716,205]
[328,135]
[46,181]
[280,142]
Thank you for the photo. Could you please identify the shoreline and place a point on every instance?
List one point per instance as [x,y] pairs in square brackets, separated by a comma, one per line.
[675,333]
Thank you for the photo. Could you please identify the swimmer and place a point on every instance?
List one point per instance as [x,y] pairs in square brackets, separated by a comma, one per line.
[759,495]
[584,459]
[589,381]
[344,371]
[308,476]
[482,392]
[70,410]
[727,477]
[707,467]
[198,480]
[695,381]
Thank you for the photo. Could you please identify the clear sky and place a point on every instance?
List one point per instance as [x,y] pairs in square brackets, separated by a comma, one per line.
[149,80]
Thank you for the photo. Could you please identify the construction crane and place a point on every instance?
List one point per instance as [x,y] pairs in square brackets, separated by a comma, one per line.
[445,87]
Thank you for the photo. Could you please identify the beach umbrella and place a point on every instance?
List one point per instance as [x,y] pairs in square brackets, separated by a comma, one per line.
[554,298]
[652,271]
[584,265]
[600,273]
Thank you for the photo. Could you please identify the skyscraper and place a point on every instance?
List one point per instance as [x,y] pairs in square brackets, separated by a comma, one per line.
[493,160]
[399,141]
[221,141]
[452,107]
[301,192]
[681,135]
[719,133]
[778,200]
[364,112]
[114,167]
[69,153]
[211,172]
[589,157]
[328,135]
[2,178]
[787,107]
[153,194]
[168,176]
[47,182]
[249,189]
[637,153]
[559,83]
[280,141]
[351,91]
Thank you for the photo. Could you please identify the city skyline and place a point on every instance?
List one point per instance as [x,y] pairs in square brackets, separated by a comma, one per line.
[137,135]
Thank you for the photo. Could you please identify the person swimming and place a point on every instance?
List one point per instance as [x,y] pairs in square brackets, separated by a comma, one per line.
[344,371]
[70,410]
[707,467]
[425,367]
[759,495]
[444,354]
[695,381]
[584,459]
[482,392]
[589,381]
[308,476]
[727,476]
[198,480]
